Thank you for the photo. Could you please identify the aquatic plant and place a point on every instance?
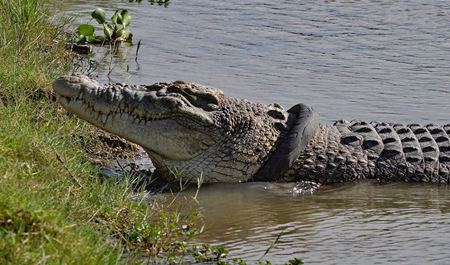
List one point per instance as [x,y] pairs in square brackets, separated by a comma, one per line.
[115,31]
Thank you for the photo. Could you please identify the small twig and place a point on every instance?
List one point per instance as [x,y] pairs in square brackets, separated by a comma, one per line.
[112,48]
[118,163]
[111,68]
[173,200]
[137,51]
[271,245]
[93,65]
[93,216]
[58,157]
[199,184]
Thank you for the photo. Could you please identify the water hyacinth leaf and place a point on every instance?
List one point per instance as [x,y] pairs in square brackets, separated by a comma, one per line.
[118,32]
[95,39]
[126,19]
[91,38]
[99,15]
[86,30]
[81,39]
[117,18]
[99,38]
[108,30]
[126,35]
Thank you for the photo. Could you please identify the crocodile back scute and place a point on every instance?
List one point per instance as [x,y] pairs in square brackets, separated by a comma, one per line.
[384,151]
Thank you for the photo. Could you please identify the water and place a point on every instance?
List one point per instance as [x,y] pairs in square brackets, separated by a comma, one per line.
[372,60]
[350,224]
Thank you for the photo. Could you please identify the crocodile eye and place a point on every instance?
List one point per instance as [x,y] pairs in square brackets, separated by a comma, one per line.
[206,101]
[199,96]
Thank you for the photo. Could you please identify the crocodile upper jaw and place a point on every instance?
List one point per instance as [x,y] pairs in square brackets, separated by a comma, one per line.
[165,125]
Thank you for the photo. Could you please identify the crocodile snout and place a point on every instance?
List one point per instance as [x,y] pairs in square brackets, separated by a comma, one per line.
[70,86]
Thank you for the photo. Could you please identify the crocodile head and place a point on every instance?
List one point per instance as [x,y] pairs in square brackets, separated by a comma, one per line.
[184,127]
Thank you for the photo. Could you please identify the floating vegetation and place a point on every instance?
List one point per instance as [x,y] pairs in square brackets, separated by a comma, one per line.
[115,31]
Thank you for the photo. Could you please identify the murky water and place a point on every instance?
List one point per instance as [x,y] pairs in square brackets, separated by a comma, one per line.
[373,60]
[350,224]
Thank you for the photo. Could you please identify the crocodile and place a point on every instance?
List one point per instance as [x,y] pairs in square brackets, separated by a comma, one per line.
[198,131]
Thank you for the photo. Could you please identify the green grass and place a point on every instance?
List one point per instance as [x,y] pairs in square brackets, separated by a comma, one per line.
[54,208]
[31,56]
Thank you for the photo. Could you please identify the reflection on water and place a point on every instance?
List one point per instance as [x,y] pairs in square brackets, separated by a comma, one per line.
[395,223]
[373,60]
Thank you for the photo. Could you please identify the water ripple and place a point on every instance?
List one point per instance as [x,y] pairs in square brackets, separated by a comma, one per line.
[393,223]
